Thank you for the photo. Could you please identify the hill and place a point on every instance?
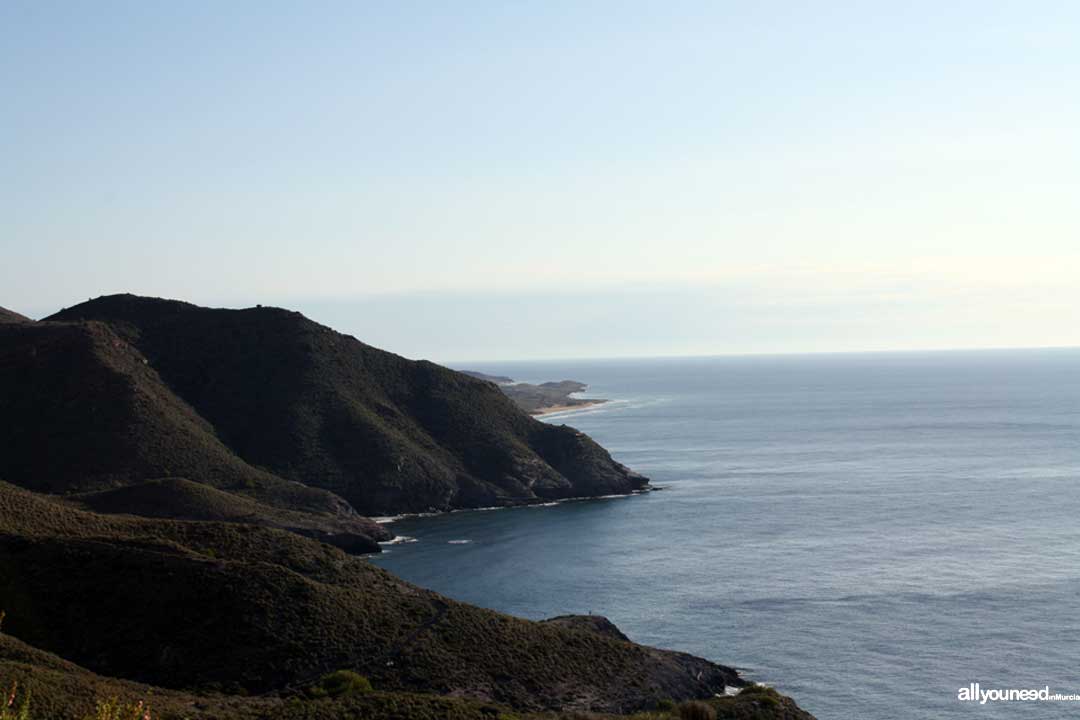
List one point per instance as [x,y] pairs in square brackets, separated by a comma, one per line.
[537,399]
[242,609]
[10,316]
[549,396]
[62,690]
[307,404]
[83,411]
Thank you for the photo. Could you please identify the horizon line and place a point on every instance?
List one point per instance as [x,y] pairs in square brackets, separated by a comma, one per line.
[452,364]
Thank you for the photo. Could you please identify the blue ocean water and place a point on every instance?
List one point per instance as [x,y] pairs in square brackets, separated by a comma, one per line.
[867,533]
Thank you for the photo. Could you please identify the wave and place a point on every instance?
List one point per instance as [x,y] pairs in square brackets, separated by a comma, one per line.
[387,519]
[400,540]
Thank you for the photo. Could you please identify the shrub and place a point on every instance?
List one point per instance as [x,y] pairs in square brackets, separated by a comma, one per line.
[10,710]
[665,705]
[342,683]
[113,709]
[762,695]
[696,710]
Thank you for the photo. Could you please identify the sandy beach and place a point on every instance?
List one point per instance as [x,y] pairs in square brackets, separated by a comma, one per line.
[551,410]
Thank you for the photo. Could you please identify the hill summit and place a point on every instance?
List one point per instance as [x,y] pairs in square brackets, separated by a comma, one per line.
[293,424]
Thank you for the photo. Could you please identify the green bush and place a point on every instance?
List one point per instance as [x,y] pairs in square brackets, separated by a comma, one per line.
[343,683]
[695,710]
[665,705]
[764,696]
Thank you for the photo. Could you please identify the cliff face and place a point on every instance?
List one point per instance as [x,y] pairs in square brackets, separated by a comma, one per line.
[389,435]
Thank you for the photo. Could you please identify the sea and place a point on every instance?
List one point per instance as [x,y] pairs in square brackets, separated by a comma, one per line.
[868,533]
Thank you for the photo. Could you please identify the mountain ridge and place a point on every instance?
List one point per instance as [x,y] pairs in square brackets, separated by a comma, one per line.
[389,435]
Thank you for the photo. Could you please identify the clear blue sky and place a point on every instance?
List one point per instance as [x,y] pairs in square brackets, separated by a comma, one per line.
[495,180]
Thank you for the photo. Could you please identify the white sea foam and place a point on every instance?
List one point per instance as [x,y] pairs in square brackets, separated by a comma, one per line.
[399,540]
[458,542]
[386,519]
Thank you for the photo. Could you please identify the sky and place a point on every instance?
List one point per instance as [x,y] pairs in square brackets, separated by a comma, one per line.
[520,180]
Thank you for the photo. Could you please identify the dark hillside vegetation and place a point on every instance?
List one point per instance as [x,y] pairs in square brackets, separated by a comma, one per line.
[83,411]
[389,435]
[245,609]
[62,690]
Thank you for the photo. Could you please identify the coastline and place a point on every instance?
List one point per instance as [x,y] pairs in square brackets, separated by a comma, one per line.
[540,502]
[552,409]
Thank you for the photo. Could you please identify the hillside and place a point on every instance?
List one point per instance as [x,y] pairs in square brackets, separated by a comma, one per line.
[62,690]
[10,316]
[267,611]
[83,411]
[307,404]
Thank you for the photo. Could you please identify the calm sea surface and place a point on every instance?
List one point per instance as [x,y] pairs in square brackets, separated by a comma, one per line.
[867,533]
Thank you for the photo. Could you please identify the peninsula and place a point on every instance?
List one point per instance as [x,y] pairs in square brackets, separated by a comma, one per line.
[543,398]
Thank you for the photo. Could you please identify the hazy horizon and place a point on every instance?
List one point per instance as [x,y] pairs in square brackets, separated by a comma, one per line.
[570,180]
[338,318]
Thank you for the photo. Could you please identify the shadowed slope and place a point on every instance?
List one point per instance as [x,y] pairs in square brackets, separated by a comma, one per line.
[62,690]
[387,434]
[242,607]
[180,499]
[82,410]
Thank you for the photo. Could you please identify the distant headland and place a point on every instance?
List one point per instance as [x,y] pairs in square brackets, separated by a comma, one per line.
[542,399]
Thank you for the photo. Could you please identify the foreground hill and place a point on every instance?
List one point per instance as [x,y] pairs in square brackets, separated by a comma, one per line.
[244,609]
[62,690]
[305,403]
[81,410]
